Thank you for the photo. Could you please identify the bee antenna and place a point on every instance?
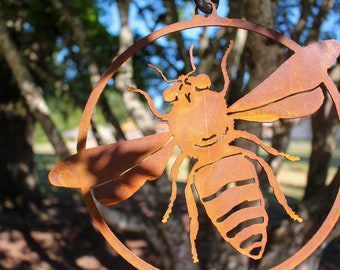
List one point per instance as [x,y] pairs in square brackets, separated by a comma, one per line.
[160,72]
[224,66]
[191,53]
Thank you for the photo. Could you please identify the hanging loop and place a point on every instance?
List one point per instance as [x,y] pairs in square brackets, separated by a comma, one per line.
[205,6]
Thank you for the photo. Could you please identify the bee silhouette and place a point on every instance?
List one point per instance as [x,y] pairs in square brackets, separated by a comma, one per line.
[202,126]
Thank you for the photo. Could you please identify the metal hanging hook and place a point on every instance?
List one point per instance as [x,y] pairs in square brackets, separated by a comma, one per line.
[205,6]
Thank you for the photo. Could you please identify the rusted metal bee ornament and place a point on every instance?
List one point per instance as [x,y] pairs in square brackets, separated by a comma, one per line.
[224,175]
[209,141]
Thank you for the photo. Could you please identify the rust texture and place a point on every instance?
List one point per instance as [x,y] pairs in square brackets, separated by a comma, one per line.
[115,172]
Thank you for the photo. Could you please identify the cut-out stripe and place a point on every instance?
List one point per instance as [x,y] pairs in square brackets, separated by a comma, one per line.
[242,211]
[245,225]
[229,186]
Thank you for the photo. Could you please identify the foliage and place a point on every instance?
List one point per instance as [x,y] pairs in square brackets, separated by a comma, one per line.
[62,70]
[61,67]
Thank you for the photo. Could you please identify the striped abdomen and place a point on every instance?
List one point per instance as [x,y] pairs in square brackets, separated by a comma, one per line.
[229,190]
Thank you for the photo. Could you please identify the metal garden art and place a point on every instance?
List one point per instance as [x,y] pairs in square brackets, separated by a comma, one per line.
[294,90]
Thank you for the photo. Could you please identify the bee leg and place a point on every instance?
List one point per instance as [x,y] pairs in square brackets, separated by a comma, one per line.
[193,214]
[333,91]
[224,67]
[148,99]
[276,189]
[173,177]
[268,149]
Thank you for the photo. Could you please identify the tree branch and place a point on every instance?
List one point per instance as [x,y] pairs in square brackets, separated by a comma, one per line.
[31,92]
[79,35]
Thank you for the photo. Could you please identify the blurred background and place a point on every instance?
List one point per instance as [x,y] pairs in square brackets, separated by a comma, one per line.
[52,53]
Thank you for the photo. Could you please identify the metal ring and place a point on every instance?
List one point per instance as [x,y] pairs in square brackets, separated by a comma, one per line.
[205,6]
[197,21]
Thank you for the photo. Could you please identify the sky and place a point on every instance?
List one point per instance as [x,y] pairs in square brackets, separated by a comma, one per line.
[111,18]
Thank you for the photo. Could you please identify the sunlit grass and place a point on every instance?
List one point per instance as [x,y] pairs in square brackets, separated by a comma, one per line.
[292,176]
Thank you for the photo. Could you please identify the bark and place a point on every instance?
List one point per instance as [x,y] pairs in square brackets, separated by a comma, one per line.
[111,118]
[79,36]
[306,6]
[172,17]
[307,15]
[124,76]
[289,237]
[174,233]
[263,57]
[319,18]
[143,214]
[19,189]
[95,130]
[280,141]
[281,129]
[170,240]
[325,126]
[31,92]
[209,63]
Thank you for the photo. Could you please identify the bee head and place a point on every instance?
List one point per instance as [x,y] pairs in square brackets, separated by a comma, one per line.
[186,87]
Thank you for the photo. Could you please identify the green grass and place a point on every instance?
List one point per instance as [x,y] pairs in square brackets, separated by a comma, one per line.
[44,163]
[291,177]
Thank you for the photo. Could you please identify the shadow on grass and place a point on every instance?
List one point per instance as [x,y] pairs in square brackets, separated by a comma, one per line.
[44,163]
[58,236]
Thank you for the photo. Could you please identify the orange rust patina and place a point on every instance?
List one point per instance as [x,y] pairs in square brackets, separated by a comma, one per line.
[118,170]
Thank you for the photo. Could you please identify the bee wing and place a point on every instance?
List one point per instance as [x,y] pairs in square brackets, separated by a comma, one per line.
[295,106]
[125,166]
[294,89]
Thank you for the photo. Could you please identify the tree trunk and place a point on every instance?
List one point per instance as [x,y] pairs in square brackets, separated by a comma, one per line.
[19,189]
[172,17]
[325,126]
[324,122]
[124,77]
[262,61]
[290,236]
[280,141]
[170,240]
[79,35]
[31,92]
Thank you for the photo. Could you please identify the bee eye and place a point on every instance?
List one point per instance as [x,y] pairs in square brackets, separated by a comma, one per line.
[202,82]
[171,94]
